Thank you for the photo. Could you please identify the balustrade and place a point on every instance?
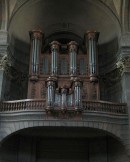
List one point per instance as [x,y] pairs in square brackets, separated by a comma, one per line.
[87,106]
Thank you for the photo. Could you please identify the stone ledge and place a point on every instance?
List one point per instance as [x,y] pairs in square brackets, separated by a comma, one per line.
[41,116]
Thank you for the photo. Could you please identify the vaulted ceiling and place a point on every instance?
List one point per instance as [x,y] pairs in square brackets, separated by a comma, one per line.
[52,16]
[62,16]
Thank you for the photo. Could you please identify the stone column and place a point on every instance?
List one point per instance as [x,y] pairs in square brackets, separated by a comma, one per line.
[124,65]
[54,63]
[73,57]
[3,79]
[92,37]
[36,42]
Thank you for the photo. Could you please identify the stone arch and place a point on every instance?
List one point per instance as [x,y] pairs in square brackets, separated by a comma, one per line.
[113,129]
[93,126]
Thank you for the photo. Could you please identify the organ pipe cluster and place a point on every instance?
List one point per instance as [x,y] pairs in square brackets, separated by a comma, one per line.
[67,97]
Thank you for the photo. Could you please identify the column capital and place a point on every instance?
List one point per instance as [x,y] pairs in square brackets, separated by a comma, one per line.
[55,45]
[73,46]
[36,34]
[64,90]
[92,35]
[77,81]
[51,81]
[124,64]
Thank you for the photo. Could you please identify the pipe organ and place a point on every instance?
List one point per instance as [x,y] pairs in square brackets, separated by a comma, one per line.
[63,74]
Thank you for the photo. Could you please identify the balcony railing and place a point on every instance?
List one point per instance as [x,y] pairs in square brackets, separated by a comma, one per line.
[20,105]
[87,106]
[103,106]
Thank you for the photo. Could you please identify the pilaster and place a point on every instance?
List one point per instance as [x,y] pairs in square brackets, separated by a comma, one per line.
[124,65]
[3,54]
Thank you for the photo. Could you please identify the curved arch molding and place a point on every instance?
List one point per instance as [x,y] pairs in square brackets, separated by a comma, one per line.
[115,125]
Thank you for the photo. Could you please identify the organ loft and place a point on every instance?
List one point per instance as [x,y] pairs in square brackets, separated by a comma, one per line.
[63,73]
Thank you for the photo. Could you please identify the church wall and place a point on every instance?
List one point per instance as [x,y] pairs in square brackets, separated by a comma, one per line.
[129,16]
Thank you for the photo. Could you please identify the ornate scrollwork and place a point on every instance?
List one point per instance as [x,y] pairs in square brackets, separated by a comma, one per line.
[124,64]
[4,62]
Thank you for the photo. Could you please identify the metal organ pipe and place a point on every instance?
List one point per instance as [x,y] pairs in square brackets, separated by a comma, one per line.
[36,39]
[54,64]
[92,37]
[77,94]
[64,98]
[50,92]
[73,57]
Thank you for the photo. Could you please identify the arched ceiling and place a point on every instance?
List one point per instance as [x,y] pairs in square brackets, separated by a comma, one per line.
[51,16]
[61,15]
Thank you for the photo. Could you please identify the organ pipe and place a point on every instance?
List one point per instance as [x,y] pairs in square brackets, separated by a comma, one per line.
[73,57]
[92,37]
[77,94]
[36,42]
[54,61]
[63,98]
[51,86]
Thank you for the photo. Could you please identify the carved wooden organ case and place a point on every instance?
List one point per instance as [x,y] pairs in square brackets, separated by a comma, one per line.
[63,74]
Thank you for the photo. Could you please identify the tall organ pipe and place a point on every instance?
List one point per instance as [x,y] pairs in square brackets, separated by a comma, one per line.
[92,37]
[51,86]
[73,57]
[54,61]
[36,42]
[63,98]
[77,94]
